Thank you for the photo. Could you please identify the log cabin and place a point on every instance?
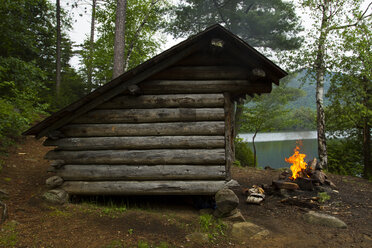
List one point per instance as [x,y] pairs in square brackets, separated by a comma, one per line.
[165,127]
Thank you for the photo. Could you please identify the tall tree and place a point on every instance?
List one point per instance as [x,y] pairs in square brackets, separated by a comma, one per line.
[329,16]
[58,47]
[266,23]
[351,91]
[91,45]
[144,19]
[119,43]
[28,63]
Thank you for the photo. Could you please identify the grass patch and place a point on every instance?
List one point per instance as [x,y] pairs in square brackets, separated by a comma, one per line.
[9,235]
[7,179]
[109,209]
[58,213]
[323,197]
[212,226]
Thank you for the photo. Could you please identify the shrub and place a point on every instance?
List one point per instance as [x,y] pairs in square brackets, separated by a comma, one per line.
[345,157]
[243,153]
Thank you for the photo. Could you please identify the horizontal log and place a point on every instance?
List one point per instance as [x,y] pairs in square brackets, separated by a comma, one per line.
[143,187]
[206,86]
[165,101]
[151,115]
[175,128]
[203,73]
[140,172]
[137,142]
[187,156]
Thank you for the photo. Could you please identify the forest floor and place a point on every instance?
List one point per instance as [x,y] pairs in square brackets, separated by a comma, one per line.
[164,222]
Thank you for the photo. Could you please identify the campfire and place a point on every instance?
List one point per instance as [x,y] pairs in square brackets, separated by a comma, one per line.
[303,175]
[299,166]
[299,186]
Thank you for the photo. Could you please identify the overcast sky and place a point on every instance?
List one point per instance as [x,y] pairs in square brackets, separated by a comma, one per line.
[81,27]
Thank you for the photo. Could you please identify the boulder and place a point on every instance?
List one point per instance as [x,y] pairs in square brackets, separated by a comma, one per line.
[235,217]
[54,182]
[324,220]
[226,202]
[197,238]
[56,196]
[246,231]
[232,184]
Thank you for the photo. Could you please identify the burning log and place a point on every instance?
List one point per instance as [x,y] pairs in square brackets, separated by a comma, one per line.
[285,185]
[305,183]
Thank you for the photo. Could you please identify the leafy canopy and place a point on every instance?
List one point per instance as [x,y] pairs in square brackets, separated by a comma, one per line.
[266,23]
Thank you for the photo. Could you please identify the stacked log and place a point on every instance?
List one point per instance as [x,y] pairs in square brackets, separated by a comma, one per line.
[169,134]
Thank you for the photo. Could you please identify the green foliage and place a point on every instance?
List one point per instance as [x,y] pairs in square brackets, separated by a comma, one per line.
[350,112]
[323,197]
[268,112]
[27,66]
[266,23]
[20,102]
[141,41]
[214,227]
[243,153]
[345,157]
[9,235]
[205,221]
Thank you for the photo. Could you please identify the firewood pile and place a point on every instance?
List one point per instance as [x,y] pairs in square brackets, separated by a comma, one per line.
[311,178]
[302,190]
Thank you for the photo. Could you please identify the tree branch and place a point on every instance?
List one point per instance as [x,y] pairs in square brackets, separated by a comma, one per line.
[220,13]
[363,16]
[136,34]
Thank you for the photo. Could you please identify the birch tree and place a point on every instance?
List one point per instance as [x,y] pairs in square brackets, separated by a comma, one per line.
[330,17]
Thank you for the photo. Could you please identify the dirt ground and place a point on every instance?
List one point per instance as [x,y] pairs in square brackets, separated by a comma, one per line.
[164,222]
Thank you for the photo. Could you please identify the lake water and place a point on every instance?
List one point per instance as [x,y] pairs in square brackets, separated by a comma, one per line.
[272,148]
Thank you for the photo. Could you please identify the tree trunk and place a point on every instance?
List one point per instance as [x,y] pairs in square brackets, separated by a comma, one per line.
[367,150]
[238,115]
[320,71]
[91,46]
[254,150]
[119,43]
[58,48]
[367,173]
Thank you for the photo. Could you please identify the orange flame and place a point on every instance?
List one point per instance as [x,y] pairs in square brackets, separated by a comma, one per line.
[297,161]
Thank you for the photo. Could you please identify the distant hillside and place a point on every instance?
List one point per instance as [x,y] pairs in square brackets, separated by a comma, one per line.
[308,85]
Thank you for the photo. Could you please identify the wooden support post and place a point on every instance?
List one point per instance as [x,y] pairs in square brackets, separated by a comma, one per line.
[229,138]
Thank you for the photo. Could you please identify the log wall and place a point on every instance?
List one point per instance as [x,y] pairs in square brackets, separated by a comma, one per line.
[176,137]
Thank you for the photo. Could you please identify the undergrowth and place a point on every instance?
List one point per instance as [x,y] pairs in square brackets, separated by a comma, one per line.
[212,226]
[9,235]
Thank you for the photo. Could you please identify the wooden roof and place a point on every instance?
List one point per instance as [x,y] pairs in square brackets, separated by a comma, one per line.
[234,44]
